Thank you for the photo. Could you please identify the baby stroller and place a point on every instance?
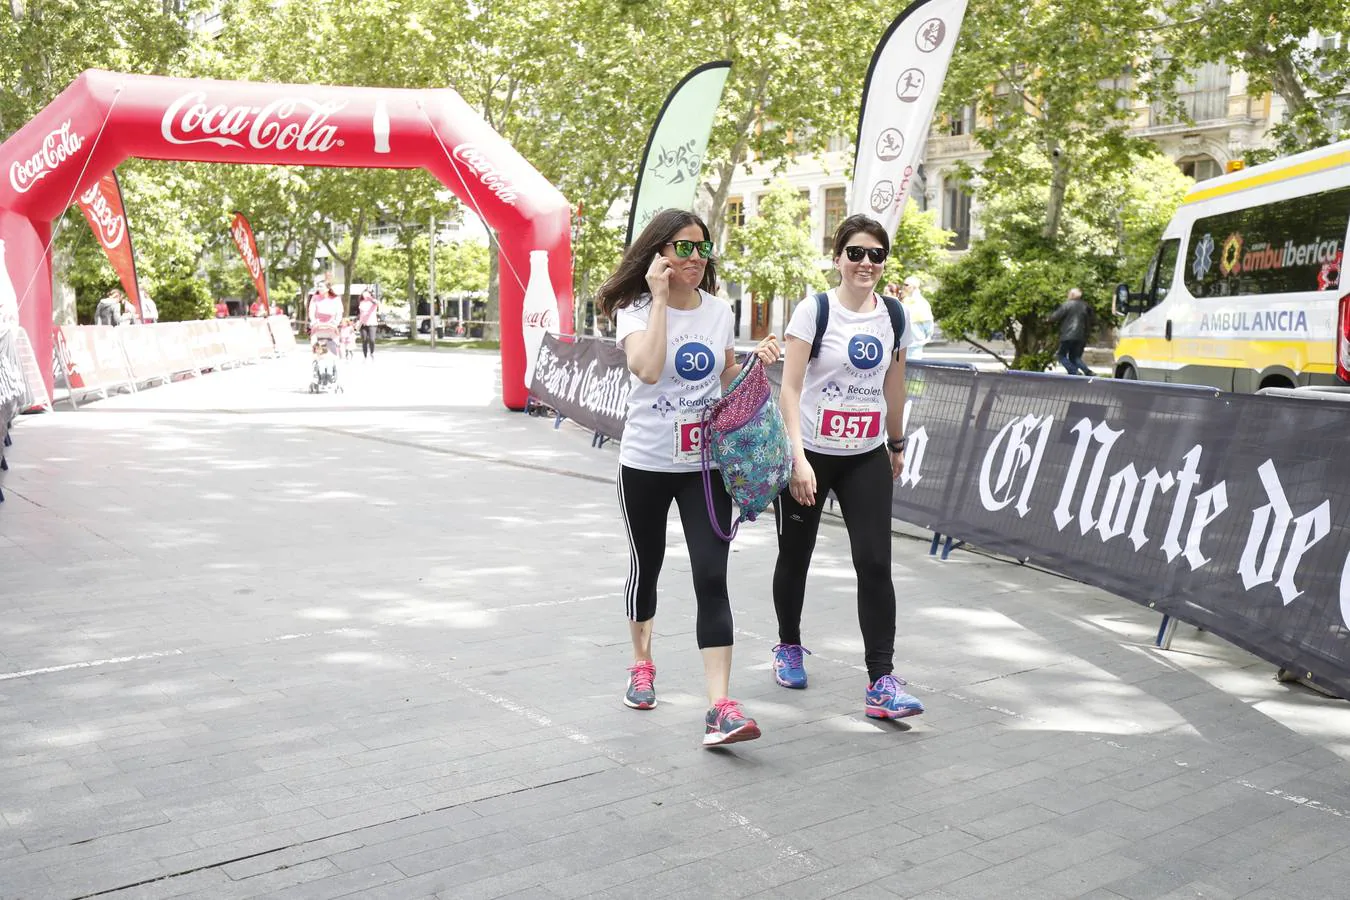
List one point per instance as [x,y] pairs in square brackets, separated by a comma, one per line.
[325,377]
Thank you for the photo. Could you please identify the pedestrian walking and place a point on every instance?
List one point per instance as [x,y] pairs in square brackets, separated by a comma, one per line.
[325,315]
[679,341]
[1075,319]
[109,309]
[368,315]
[843,400]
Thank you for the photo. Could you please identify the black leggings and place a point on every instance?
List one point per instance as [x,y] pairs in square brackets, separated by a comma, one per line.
[862,484]
[644,498]
[367,340]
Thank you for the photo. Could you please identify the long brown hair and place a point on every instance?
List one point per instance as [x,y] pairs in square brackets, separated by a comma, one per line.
[629,280]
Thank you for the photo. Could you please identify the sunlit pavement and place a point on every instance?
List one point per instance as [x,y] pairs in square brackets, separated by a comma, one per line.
[258,642]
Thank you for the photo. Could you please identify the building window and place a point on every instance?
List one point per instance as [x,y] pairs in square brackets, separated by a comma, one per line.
[735,212]
[963,121]
[956,212]
[839,143]
[1203,97]
[1200,167]
[836,206]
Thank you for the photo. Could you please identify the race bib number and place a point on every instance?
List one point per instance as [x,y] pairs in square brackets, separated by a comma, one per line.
[689,438]
[847,429]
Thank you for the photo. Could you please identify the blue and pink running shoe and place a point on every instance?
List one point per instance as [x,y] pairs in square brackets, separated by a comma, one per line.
[788,668]
[887,699]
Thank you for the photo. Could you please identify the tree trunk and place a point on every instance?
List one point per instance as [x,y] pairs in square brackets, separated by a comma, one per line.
[1059,186]
[492,329]
[349,264]
[1283,78]
[718,214]
[412,287]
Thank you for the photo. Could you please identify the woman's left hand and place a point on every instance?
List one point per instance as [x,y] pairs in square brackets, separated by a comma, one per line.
[768,350]
[897,464]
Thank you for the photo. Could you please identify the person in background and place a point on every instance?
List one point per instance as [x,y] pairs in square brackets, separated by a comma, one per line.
[347,338]
[368,316]
[129,314]
[920,314]
[222,310]
[258,309]
[149,312]
[325,315]
[1075,319]
[109,309]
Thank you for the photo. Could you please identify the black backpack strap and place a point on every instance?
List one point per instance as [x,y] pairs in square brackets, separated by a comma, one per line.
[822,322]
[897,311]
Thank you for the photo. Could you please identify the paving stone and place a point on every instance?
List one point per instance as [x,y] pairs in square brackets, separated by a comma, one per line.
[434,709]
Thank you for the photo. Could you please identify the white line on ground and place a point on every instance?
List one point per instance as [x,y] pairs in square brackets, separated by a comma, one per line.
[89,664]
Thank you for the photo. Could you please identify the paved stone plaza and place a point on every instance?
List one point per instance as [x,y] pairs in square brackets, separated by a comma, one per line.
[258,643]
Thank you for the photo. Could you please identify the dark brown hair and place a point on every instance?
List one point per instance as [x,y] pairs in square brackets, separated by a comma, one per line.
[854,224]
[629,280]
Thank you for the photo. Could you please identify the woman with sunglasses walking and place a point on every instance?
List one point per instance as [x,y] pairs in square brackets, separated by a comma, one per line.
[680,344]
[843,402]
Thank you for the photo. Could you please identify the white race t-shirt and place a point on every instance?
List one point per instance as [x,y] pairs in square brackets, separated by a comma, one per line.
[662,431]
[843,409]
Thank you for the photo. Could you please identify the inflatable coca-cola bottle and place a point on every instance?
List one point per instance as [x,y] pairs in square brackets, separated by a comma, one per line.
[539,315]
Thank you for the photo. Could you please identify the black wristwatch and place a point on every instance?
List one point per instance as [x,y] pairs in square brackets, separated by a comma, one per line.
[896,445]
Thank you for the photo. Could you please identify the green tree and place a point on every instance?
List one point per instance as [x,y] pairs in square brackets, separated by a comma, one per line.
[797,71]
[44,44]
[1056,78]
[918,245]
[1013,277]
[773,255]
[1269,41]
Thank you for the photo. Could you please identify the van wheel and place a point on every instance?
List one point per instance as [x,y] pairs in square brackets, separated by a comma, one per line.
[1127,373]
[1276,381]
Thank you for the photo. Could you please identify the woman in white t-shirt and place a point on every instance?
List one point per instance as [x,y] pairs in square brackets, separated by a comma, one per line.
[680,344]
[844,411]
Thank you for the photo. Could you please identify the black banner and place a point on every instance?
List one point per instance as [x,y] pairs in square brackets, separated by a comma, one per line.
[585,380]
[1228,511]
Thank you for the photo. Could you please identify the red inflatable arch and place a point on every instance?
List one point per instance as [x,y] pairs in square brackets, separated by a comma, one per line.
[104,117]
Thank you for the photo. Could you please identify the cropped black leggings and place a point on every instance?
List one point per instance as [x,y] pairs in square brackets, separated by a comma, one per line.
[645,498]
[862,484]
[367,340]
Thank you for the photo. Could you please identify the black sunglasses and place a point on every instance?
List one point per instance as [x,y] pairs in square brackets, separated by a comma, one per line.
[685,249]
[876,254]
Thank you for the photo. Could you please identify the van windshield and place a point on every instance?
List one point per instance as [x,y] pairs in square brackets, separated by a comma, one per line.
[1283,247]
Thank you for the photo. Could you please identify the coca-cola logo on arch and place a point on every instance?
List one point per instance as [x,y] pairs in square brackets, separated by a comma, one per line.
[288,123]
[480,165]
[111,228]
[57,147]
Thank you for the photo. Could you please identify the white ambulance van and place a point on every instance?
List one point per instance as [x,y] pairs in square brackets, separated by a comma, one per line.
[1246,289]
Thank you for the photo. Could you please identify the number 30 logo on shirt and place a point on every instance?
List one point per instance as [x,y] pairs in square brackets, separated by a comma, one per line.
[864,351]
[694,361]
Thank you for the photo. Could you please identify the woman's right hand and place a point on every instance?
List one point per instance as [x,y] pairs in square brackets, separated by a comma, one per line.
[658,278]
[803,484]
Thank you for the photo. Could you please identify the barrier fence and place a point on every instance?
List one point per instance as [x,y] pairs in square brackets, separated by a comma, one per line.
[1226,511]
[99,359]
